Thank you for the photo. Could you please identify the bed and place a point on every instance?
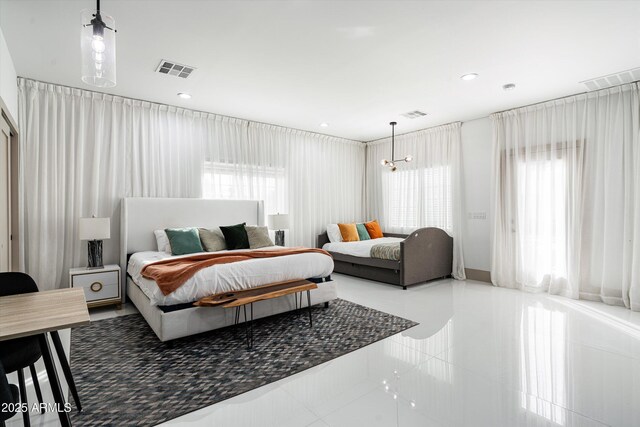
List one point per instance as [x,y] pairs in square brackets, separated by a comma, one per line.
[173,316]
[425,254]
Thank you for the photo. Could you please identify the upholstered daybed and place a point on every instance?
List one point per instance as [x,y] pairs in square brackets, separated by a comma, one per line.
[426,254]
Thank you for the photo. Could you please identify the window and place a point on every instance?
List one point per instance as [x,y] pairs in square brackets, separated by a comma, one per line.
[232,181]
[542,209]
[419,198]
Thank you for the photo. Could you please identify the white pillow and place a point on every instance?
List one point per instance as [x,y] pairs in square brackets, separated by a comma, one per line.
[163,241]
[333,231]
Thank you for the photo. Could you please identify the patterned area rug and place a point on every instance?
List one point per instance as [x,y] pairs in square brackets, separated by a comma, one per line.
[127,377]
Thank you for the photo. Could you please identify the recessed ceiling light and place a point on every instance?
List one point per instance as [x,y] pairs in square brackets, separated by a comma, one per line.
[324,125]
[469,76]
[509,86]
[184,95]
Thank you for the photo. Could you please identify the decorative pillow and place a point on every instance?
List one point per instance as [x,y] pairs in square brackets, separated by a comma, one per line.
[184,241]
[363,234]
[163,241]
[333,232]
[212,239]
[349,232]
[258,236]
[374,230]
[236,236]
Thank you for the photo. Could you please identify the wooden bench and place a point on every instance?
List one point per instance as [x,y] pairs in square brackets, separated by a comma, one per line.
[242,298]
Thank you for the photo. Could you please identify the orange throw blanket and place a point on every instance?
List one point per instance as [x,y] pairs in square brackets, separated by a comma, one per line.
[170,274]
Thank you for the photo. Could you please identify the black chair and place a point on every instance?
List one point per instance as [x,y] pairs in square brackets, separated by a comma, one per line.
[9,394]
[19,353]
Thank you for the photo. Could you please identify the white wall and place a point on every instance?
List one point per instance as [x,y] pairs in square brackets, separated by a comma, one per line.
[476,170]
[8,82]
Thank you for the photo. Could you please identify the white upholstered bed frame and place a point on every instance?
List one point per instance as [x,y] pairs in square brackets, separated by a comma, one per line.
[141,216]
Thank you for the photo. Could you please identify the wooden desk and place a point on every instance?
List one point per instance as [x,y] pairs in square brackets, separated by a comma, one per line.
[37,313]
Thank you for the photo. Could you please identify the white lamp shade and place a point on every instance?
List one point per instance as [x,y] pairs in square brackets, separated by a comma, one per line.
[94,228]
[278,222]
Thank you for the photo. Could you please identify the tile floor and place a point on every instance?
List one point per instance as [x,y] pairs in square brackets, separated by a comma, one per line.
[481,356]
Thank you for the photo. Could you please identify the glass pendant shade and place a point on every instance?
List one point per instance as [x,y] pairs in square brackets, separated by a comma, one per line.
[98,49]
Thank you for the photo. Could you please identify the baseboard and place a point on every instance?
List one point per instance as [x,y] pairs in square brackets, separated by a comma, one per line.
[480,275]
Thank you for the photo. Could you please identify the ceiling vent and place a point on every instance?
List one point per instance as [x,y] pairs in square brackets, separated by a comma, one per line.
[611,80]
[174,69]
[413,114]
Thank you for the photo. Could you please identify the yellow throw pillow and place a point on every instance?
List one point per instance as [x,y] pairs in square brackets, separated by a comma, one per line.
[349,232]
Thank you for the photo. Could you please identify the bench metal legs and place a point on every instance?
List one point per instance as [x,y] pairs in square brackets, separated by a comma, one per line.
[309,306]
[248,322]
[248,327]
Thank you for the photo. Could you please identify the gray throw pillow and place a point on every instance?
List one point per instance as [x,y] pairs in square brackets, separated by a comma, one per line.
[212,239]
[258,236]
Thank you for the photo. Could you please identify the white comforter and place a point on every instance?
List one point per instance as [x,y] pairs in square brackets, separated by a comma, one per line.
[229,277]
[361,248]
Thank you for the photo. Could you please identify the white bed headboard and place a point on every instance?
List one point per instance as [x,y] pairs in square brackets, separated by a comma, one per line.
[140,216]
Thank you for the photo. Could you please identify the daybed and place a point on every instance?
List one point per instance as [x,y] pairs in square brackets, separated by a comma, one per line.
[425,254]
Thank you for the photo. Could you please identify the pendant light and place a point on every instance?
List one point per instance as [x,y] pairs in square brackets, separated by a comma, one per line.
[392,163]
[98,48]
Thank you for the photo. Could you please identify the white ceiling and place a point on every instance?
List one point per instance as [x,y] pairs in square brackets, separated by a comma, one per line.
[354,64]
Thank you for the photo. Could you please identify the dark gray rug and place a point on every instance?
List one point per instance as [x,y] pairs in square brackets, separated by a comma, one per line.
[127,377]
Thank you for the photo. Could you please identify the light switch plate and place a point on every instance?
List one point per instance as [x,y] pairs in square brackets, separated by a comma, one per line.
[477,215]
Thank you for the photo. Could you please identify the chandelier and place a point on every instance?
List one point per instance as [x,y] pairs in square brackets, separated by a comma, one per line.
[391,164]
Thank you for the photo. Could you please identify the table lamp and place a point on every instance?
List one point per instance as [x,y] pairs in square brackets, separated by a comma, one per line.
[94,230]
[279,222]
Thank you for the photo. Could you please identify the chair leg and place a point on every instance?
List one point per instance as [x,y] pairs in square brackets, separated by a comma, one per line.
[36,385]
[23,398]
[66,368]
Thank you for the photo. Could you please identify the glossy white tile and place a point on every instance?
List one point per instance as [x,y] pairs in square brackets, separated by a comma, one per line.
[378,408]
[266,406]
[334,384]
[318,423]
[481,356]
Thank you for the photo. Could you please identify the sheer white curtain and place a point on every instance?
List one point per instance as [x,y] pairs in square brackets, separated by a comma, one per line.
[566,187]
[326,175]
[240,165]
[81,152]
[423,193]
[316,179]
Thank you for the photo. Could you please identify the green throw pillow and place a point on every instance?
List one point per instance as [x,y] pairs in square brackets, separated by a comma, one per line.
[363,234]
[184,240]
[235,236]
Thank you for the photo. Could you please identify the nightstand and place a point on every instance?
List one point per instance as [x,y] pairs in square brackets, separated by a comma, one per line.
[101,285]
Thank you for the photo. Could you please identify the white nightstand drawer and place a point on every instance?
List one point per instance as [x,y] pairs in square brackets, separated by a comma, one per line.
[98,286]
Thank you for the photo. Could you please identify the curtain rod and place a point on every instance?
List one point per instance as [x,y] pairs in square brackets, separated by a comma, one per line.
[325,134]
[511,109]
[564,97]
[194,110]
[414,131]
